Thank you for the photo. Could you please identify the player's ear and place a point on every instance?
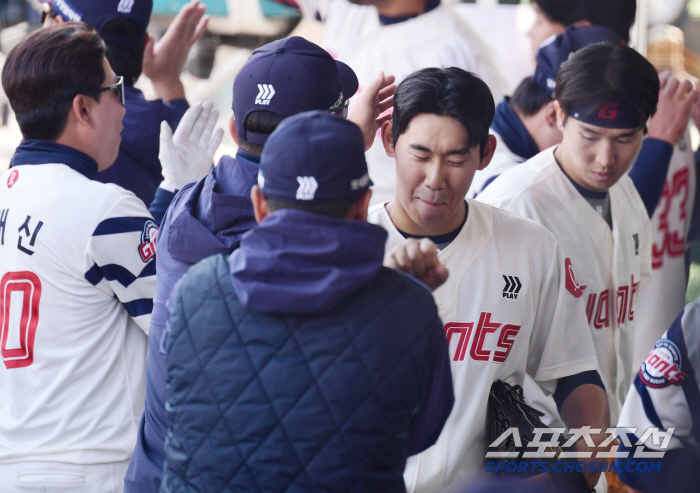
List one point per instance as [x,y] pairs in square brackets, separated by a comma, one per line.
[232,129]
[489,150]
[259,204]
[560,115]
[82,110]
[550,114]
[388,138]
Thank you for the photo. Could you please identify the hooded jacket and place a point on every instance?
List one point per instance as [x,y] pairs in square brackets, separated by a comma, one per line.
[205,218]
[299,363]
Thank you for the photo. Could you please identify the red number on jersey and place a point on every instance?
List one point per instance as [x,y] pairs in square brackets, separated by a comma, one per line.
[672,241]
[19,291]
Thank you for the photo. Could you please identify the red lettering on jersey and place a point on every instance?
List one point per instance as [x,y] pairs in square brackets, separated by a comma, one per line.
[634,287]
[505,341]
[571,283]
[28,284]
[607,112]
[672,241]
[590,306]
[602,314]
[484,328]
[12,179]
[623,293]
[463,331]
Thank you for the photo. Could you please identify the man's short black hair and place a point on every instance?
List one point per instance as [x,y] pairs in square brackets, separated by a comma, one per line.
[529,97]
[44,72]
[262,122]
[127,62]
[603,71]
[617,15]
[451,92]
[337,210]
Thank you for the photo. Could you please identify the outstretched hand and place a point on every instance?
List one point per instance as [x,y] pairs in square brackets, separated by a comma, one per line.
[368,110]
[676,101]
[418,258]
[163,61]
[188,155]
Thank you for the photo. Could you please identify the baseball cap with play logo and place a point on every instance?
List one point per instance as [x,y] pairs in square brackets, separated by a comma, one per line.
[314,157]
[289,76]
[97,13]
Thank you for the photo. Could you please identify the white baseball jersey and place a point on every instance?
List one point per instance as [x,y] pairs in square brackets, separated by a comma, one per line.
[666,392]
[613,266]
[77,278]
[664,297]
[507,312]
[439,38]
[503,159]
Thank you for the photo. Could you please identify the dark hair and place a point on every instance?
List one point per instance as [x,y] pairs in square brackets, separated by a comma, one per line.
[262,122]
[617,15]
[51,66]
[125,61]
[449,92]
[529,97]
[337,210]
[603,71]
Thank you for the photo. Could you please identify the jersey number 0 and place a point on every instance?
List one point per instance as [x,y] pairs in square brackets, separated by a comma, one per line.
[20,293]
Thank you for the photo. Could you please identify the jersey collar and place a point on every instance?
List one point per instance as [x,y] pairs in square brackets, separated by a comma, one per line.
[35,151]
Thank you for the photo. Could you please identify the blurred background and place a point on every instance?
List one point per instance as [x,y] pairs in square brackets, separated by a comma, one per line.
[666,31]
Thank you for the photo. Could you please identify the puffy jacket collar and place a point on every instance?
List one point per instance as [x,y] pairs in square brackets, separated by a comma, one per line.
[36,151]
[211,215]
[298,263]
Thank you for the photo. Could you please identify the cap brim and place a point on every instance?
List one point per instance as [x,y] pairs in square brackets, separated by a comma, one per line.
[348,79]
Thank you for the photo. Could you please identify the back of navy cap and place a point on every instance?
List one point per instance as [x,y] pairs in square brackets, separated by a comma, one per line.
[314,157]
[289,76]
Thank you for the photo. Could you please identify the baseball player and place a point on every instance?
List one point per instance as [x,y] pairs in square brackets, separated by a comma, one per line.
[508,310]
[580,192]
[77,273]
[665,396]
[400,37]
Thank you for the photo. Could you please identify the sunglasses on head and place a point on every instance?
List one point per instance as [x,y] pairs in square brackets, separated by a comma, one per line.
[341,110]
[118,87]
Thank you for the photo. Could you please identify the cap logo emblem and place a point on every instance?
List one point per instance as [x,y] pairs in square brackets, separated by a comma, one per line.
[265,94]
[307,187]
[261,180]
[67,10]
[359,183]
[125,6]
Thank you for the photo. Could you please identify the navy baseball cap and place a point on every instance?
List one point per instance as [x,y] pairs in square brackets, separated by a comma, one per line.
[557,50]
[289,76]
[97,13]
[314,157]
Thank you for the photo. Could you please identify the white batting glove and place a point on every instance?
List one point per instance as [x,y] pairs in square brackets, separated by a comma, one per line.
[188,155]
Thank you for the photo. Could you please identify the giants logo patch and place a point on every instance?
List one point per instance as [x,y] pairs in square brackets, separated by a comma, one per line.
[14,176]
[571,283]
[663,366]
[503,334]
[147,248]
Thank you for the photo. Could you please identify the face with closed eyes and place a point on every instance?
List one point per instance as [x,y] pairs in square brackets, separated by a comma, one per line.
[434,168]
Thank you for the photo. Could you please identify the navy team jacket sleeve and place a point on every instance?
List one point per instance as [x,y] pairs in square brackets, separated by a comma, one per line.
[649,171]
[437,400]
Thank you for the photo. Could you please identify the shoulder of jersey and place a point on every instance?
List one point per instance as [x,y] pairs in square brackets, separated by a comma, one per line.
[531,231]
[518,179]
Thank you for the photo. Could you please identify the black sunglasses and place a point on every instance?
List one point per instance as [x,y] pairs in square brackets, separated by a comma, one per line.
[119,86]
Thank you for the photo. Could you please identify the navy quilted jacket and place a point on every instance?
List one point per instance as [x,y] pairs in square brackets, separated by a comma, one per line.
[300,364]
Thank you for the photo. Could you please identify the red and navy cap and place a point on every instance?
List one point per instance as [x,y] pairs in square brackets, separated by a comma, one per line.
[314,157]
[97,13]
[557,50]
[289,76]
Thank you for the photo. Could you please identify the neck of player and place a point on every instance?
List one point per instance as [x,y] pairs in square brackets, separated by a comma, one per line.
[400,8]
[403,221]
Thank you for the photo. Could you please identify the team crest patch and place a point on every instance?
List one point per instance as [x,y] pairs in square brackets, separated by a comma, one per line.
[571,283]
[663,366]
[147,248]
[12,179]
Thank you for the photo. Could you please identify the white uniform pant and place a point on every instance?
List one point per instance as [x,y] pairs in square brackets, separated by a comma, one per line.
[59,477]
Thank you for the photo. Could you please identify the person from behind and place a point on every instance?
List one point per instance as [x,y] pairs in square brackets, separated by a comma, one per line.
[77,273]
[323,369]
[210,216]
[131,51]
